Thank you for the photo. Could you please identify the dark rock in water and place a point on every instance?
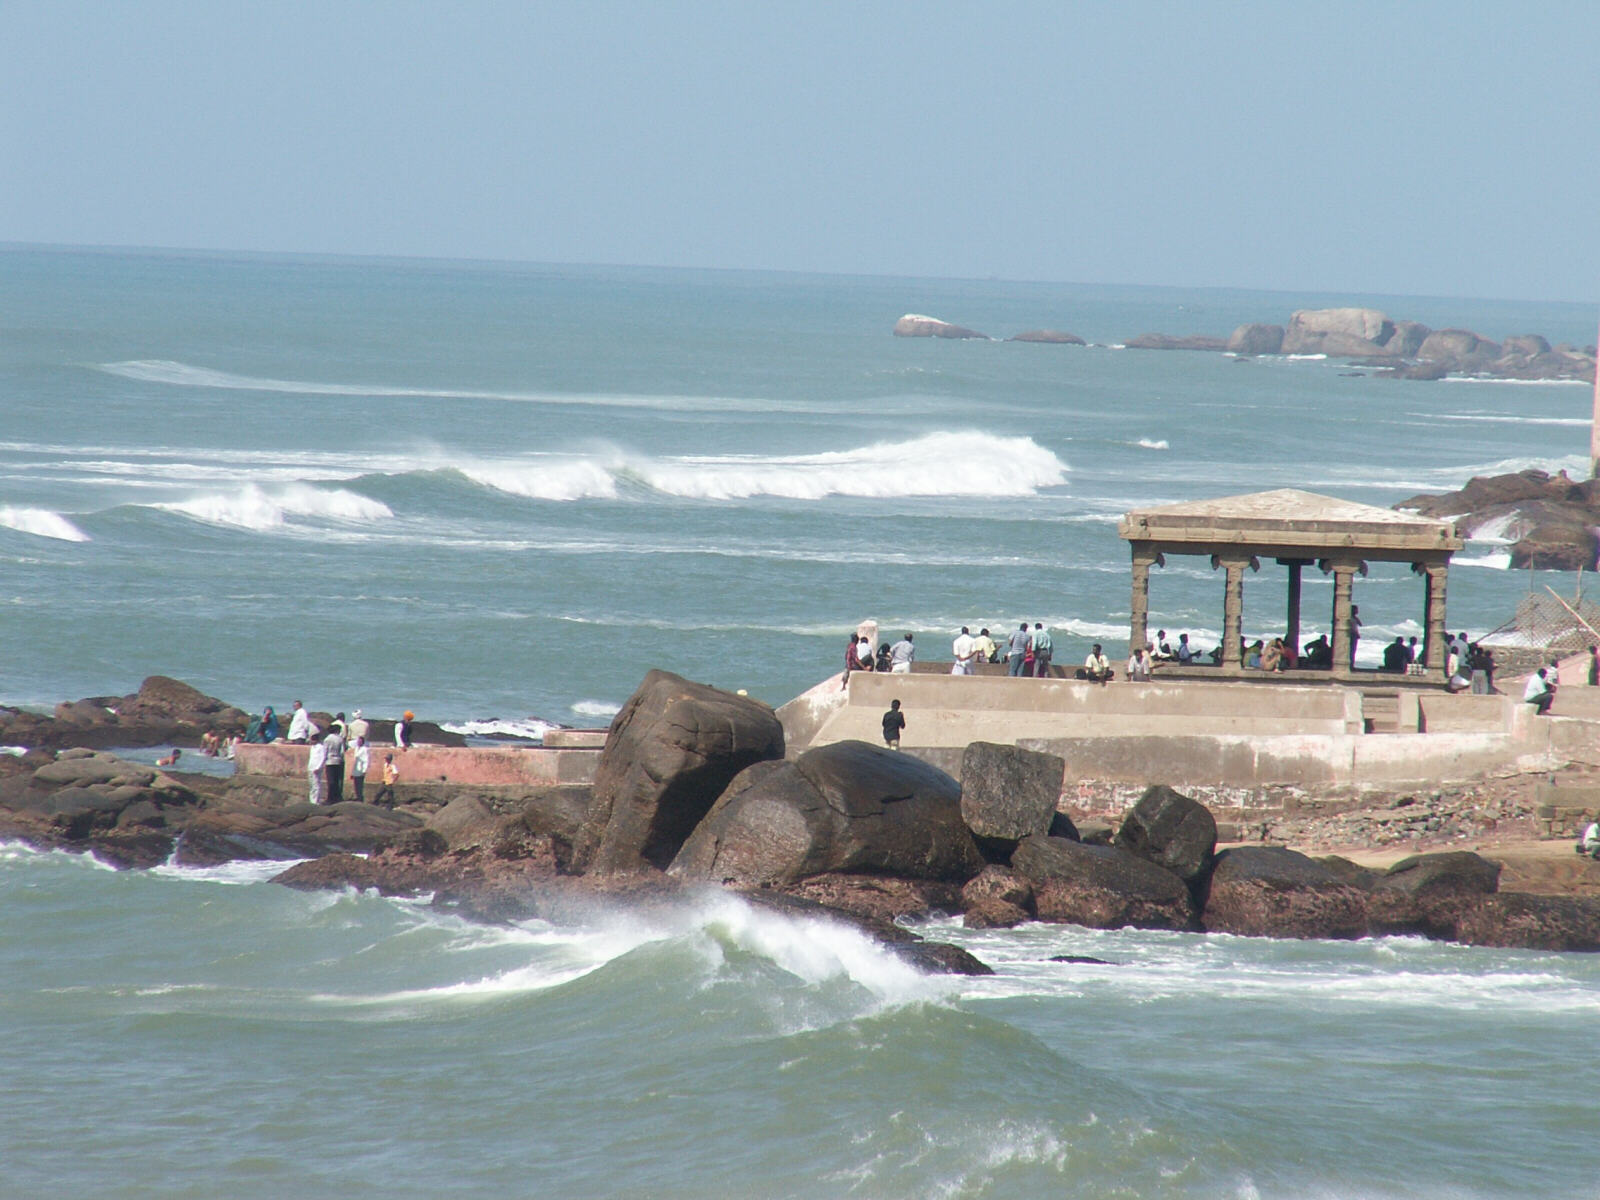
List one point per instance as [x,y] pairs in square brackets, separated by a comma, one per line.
[1555,516]
[881,897]
[670,753]
[1085,959]
[845,807]
[228,829]
[1054,337]
[1007,794]
[1256,339]
[1425,371]
[1269,891]
[913,325]
[934,958]
[1004,884]
[1408,338]
[1170,830]
[1514,920]
[1167,341]
[941,958]
[1101,887]
[1462,349]
[1427,893]
[163,711]
[994,914]
[1340,333]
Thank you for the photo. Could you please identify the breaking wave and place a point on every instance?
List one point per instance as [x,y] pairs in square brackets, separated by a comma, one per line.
[41,522]
[255,507]
[596,708]
[937,464]
[531,729]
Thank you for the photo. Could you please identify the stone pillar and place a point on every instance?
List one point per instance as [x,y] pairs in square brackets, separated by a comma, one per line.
[1342,575]
[1433,616]
[1139,623]
[1293,623]
[1233,614]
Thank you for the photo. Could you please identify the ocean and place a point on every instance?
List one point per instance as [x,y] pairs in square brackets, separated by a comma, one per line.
[497,494]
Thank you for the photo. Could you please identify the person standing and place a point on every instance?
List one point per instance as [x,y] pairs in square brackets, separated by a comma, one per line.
[1594,666]
[902,656]
[358,727]
[1017,649]
[299,724]
[893,722]
[402,731]
[852,662]
[1042,646]
[334,745]
[391,773]
[316,760]
[1355,631]
[360,757]
[963,648]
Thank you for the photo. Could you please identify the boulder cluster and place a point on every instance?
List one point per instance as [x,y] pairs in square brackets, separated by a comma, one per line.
[693,791]
[1547,521]
[1364,336]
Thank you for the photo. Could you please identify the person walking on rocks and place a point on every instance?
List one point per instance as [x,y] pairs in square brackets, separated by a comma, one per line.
[316,761]
[1017,650]
[902,656]
[893,722]
[334,745]
[360,758]
[391,773]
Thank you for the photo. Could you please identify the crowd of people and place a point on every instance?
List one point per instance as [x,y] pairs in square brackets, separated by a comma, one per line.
[342,752]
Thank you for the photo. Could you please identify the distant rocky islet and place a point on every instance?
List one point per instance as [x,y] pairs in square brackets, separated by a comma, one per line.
[1366,337]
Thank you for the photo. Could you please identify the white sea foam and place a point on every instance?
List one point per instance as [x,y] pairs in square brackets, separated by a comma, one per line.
[237,873]
[1583,422]
[1517,382]
[596,708]
[530,728]
[14,751]
[951,463]
[255,507]
[184,375]
[1498,562]
[1500,530]
[1153,443]
[41,522]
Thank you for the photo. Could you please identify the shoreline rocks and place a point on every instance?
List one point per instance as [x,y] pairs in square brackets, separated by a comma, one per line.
[1552,520]
[852,831]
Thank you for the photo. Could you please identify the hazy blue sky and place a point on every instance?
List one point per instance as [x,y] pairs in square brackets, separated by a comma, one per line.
[1443,148]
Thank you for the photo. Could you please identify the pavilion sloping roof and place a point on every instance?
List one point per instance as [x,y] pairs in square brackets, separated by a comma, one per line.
[1287,517]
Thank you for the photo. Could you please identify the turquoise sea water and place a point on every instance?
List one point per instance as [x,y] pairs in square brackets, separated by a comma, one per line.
[503,492]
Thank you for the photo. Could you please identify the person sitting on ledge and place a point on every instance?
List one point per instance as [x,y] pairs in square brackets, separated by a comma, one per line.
[1140,663]
[1589,843]
[1272,655]
[1319,653]
[1539,692]
[1252,655]
[1096,668]
[1162,651]
[1395,658]
[1185,651]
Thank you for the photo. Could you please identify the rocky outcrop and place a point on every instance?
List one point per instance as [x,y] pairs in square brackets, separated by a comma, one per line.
[846,807]
[1256,339]
[879,897]
[1427,893]
[1550,520]
[164,711]
[996,898]
[1460,348]
[670,753]
[1054,337]
[1269,891]
[916,325]
[1167,341]
[1007,794]
[1341,332]
[1101,887]
[1172,831]
[1512,920]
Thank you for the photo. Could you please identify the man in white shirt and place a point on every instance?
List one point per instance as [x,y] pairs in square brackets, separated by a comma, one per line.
[317,760]
[901,656]
[1539,693]
[964,647]
[1097,668]
[300,725]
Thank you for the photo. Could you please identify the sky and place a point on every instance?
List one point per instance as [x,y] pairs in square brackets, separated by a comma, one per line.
[1442,149]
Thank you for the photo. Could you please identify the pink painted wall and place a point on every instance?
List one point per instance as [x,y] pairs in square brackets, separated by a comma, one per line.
[488,766]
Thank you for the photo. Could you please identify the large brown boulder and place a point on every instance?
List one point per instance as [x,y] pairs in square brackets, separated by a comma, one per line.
[1256,339]
[1408,338]
[879,897]
[1514,920]
[1170,830]
[1427,893]
[1339,332]
[669,754]
[847,807]
[1008,793]
[1270,891]
[1101,887]
[996,898]
[916,325]
[1461,348]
